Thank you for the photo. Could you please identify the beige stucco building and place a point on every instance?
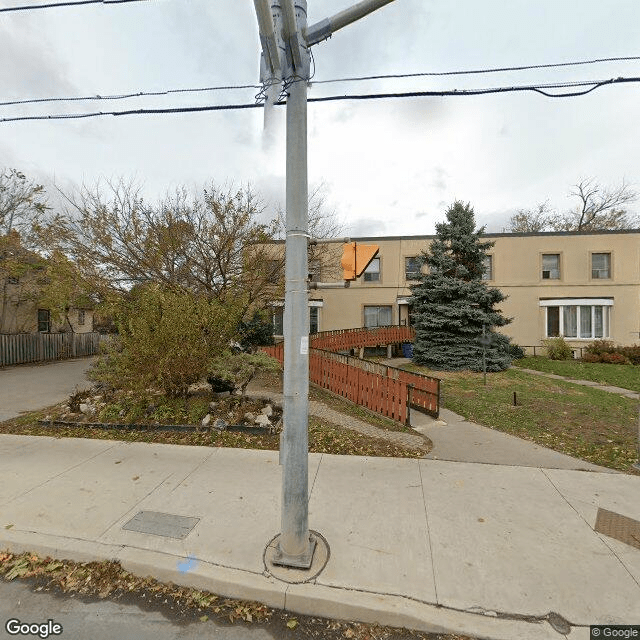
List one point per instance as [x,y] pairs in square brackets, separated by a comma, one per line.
[580,285]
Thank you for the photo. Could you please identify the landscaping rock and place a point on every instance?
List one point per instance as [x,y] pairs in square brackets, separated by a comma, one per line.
[268,410]
[262,420]
[249,416]
[206,420]
[213,406]
[220,424]
[86,408]
[221,394]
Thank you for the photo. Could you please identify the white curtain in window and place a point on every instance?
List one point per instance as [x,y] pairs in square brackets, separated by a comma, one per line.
[585,322]
[570,322]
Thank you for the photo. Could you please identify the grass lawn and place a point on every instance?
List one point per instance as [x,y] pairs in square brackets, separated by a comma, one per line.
[617,375]
[583,422]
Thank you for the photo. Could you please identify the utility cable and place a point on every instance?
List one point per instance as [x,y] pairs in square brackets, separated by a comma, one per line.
[123,96]
[542,89]
[71,3]
[554,65]
[262,88]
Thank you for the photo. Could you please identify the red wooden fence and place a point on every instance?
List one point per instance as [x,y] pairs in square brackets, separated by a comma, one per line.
[381,388]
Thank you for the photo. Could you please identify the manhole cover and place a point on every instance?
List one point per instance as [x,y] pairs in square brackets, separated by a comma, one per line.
[162,524]
[619,527]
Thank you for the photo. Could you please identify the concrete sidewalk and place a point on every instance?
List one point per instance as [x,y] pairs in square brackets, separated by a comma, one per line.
[490,551]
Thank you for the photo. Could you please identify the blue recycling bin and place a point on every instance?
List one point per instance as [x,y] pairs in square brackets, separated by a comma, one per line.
[407,350]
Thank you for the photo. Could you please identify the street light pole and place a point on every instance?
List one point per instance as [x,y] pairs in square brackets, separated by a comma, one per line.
[285,56]
[296,546]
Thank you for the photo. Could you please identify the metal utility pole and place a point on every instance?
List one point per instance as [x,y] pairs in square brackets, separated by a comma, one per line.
[285,53]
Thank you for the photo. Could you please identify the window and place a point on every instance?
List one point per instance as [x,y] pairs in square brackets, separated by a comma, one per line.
[278,321]
[487,264]
[314,270]
[313,320]
[372,272]
[571,320]
[551,266]
[600,266]
[412,268]
[377,316]
[44,320]
[81,316]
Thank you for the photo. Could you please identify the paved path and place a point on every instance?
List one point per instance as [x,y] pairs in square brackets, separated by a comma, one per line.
[497,552]
[31,387]
[321,410]
[585,383]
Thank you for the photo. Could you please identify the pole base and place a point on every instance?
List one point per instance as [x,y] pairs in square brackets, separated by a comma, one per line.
[302,561]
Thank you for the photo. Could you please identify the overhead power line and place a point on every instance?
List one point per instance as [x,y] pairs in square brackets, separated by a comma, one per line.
[541,88]
[139,94]
[529,67]
[69,3]
[122,96]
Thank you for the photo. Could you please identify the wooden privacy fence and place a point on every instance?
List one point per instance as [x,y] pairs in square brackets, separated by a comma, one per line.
[39,347]
[344,339]
[378,387]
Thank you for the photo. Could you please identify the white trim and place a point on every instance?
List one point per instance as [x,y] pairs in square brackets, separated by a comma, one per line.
[402,301]
[316,303]
[570,302]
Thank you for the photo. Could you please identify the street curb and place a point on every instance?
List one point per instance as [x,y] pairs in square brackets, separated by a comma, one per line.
[314,599]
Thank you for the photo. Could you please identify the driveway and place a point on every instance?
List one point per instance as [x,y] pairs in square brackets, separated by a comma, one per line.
[31,387]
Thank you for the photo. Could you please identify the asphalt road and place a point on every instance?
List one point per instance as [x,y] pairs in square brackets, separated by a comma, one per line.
[31,387]
[105,620]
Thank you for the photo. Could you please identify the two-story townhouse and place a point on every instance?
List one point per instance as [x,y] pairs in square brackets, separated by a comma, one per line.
[580,285]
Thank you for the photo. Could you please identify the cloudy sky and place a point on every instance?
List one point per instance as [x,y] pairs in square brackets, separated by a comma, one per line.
[389,167]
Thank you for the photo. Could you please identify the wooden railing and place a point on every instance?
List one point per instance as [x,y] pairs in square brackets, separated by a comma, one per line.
[381,388]
[39,347]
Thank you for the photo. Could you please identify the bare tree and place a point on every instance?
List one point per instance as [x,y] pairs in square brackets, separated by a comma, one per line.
[531,220]
[212,243]
[22,203]
[599,208]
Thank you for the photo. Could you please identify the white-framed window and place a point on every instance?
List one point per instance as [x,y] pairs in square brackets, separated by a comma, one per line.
[377,316]
[372,272]
[600,266]
[584,319]
[550,266]
[487,266]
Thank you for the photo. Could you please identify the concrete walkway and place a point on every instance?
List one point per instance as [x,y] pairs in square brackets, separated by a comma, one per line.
[498,552]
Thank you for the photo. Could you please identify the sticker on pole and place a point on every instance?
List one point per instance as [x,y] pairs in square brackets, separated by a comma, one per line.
[304,346]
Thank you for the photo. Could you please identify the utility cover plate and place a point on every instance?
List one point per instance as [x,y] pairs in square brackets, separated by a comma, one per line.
[162,524]
[619,527]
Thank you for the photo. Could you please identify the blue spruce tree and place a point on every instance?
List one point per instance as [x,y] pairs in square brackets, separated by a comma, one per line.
[452,302]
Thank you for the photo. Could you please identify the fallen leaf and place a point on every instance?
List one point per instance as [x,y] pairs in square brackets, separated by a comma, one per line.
[8,526]
[136,478]
[204,618]
[292,624]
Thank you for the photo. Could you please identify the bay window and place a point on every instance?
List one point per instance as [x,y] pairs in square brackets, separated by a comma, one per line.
[585,318]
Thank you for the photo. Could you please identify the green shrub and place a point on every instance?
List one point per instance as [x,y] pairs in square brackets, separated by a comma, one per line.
[558,349]
[516,352]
